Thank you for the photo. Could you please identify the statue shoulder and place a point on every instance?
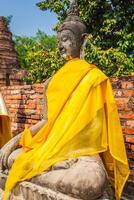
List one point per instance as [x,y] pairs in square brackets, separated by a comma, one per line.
[98,74]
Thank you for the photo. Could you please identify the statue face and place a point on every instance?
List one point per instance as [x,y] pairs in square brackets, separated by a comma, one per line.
[69,47]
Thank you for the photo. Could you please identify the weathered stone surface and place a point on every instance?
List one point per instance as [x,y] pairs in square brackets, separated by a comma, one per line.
[3,178]
[26,190]
[1,193]
[83,178]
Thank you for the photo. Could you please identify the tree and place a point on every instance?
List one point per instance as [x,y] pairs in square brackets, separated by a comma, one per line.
[39,55]
[110,25]
[8,20]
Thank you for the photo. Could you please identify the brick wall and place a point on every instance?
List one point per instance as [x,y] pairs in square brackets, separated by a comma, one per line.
[26,106]
[123,88]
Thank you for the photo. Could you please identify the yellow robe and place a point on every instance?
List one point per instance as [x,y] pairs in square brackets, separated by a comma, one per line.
[5,126]
[82,120]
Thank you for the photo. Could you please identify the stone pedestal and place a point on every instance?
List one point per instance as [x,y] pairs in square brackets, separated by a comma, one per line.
[26,190]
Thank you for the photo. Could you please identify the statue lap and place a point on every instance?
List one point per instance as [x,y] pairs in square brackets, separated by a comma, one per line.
[83,178]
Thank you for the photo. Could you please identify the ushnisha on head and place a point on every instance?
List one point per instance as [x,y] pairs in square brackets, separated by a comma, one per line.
[71,34]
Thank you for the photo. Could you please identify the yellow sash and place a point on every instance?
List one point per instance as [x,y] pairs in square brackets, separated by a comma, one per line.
[5,126]
[82,120]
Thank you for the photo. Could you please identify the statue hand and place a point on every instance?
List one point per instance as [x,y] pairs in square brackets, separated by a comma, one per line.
[6,150]
[13,144]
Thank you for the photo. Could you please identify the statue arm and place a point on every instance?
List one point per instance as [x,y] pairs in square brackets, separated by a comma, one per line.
[13,144]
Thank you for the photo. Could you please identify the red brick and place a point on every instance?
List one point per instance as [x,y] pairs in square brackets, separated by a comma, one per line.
[128,93]
[37,85]
[131,163]
[35,117]
[132,147]
[128,146]
[21,115]
[39,90]
[31,101]
[130,123]
[15,91]
[30,92]
[131,179]
[127,84]
[122,100]
[34,121]
[40,96]
[132,172]
[126,115]
[128,130]
[117,93]
[27,126]
[27,87]
[5,91]
[123,123]
[130,154]
[13,101]
[123,106]
[114,79]
[12,110]
[34,96]
[129,138]
[16,97]
[30,106]
[40,107]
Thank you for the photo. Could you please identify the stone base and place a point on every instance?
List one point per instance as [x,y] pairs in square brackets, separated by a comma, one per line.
[27,190]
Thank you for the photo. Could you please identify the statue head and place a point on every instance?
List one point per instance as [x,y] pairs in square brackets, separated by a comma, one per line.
[71,34]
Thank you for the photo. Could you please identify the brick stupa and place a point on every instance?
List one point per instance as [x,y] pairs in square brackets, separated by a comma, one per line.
[10,71]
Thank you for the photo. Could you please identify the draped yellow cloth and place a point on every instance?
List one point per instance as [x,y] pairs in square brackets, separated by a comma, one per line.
[82,120]
[5,125]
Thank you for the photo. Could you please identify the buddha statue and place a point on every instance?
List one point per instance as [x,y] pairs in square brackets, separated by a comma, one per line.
[82,177]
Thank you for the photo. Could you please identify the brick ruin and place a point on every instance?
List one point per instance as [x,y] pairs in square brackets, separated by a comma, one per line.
[10,71]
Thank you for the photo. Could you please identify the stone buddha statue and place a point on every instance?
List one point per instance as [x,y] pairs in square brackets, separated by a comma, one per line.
[83,178]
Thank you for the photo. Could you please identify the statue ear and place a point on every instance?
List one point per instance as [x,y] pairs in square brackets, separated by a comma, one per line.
[84,39]
[84,36]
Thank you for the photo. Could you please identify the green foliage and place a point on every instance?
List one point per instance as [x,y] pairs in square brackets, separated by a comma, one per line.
[38,55]
[43,64]
[110,25]
[8,20]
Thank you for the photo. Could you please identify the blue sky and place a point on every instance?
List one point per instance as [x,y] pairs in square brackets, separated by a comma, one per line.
[27,17]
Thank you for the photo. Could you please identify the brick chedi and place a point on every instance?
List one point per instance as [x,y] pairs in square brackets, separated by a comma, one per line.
[10,72]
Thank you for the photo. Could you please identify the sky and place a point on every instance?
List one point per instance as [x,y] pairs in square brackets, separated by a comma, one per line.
[27,17]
